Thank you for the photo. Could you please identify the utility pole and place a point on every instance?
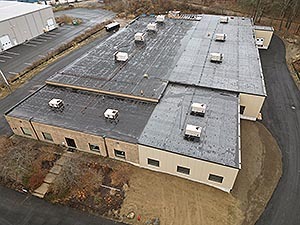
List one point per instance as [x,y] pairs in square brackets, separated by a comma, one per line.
[5,80]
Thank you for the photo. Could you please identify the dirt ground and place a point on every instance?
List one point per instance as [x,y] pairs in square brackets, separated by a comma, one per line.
[177,201]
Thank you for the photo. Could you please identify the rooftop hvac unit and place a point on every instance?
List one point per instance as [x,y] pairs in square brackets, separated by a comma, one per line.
[112,26]
[111,114]
[220,37]
[56,103]
[198,109]
[121,56]
[216,57]
[139,37]
[224,19]
[160,18]
[192,132]
[152,27]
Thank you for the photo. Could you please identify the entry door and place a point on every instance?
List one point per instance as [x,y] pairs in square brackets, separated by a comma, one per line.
[71,142]
[50,24]
[5,42]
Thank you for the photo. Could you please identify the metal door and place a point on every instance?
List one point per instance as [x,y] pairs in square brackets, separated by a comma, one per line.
[5,42]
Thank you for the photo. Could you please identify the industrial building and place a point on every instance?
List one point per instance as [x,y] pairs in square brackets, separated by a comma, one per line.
[167,96]
[20,22]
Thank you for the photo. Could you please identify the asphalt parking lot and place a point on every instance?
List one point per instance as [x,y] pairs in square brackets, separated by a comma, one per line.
[16,59]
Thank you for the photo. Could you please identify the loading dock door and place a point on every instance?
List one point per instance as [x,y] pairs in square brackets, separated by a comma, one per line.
[71,142]
[5,42]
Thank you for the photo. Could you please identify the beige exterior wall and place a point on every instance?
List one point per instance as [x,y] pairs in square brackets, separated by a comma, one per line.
[199,169]
[266,35]
[131,150]
[16,124]
[253,105]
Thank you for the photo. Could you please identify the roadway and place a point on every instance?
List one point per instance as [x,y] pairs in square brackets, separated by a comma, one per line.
[281,112]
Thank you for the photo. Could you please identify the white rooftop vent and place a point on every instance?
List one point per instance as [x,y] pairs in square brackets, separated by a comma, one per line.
[56,103]
[198,109]
[224,19]
[139,37]
[121,56]
[260,42]
[192,132]
[216,57]
[220,37]
[111,114]
[160,18]
[152,27]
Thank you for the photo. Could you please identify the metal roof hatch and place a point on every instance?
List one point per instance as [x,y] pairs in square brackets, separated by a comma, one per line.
[192,132]
[198,109]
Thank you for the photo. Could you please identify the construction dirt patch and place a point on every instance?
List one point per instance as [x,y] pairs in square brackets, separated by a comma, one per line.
[177,201]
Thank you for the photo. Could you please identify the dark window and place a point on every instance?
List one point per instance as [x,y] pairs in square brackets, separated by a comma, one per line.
[94,147]
[153,162]
[47,136]
[215,178]
[120,154]
[26,131]
[242,109]
[71,142]
[184,170]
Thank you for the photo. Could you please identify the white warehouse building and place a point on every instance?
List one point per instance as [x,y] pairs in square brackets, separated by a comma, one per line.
[20,22]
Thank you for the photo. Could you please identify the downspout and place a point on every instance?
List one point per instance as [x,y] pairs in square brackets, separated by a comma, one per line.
[106,150]
[37,137]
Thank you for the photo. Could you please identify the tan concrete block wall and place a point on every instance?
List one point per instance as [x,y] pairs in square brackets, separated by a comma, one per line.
[16,124]
[82,140]
[199,169]
[267,35]
[131,150]
[253,104]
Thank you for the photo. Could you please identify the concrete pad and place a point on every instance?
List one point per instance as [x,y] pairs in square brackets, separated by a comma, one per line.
[50,178]
[42,190]
[55,169]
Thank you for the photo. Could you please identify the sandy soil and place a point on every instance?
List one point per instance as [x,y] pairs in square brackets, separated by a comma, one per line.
[177,201]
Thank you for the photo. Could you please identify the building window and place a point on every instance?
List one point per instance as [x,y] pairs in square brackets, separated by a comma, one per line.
[47,136]
[184,170]
[26,131]
[242,109]
[71,142]
[153,162]
[120,154]
[215,178]
[94,148]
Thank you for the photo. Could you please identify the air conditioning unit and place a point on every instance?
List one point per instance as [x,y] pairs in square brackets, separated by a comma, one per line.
[224,19]
[56,103]
[192,133]
[111,114]
[121,56]
[198,109]
[160,18]
[216,57]
[152,27]
[139,37]
[220,37]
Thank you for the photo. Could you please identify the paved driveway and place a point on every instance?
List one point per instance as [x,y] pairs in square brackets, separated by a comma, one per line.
[16,59]
[281,114]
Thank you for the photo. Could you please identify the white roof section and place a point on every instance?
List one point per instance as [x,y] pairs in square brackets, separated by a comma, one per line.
[10,9]
[264,28]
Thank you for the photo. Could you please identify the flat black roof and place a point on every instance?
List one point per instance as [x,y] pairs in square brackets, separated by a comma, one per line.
[219,140]
[83,111]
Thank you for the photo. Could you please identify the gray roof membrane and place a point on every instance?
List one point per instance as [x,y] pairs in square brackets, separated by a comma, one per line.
[179,52]
[83,111]
[98,69]
[219,137]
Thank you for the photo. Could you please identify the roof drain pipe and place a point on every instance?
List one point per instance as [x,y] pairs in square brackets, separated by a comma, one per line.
[106,150]
[37,137]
